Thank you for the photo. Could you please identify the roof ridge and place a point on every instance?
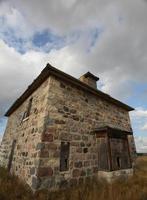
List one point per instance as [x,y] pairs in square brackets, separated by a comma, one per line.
[50,70]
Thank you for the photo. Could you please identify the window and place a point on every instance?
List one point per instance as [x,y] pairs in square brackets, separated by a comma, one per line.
[64,156]
[27,112]
[29,107]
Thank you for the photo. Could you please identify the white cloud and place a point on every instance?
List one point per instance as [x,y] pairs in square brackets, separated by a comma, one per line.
[140,112]
[17,72]
[66,15]
[141,144]
[139,117]
[14,19]
[117,55]
[144,128]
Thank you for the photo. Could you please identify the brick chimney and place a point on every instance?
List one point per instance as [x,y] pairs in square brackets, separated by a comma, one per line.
[89,79]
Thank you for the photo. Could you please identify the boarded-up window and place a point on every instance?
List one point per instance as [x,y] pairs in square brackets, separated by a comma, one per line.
[64,156]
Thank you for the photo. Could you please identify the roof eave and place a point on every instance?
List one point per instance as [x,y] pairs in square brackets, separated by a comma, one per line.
[49,70]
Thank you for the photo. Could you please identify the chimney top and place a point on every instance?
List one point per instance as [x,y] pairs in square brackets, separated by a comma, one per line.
[89,79]
[90,75]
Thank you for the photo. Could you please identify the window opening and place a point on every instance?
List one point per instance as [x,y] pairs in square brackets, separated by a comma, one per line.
[27,112]
[29,107]
[64,156]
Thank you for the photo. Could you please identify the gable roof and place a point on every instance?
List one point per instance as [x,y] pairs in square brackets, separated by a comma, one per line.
[49,70]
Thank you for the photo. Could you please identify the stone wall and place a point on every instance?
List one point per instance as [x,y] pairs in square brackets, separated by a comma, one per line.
[60,113]
[73,115]
[27,134]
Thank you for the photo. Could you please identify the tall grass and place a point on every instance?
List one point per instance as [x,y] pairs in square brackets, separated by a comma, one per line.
[135,188]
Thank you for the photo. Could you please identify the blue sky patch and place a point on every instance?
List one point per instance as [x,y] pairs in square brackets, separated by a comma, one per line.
[3,121]
[48,39]
[9,36]
[95,34]
[139,90]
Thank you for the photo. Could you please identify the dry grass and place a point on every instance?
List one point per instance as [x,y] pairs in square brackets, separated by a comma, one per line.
[135,188]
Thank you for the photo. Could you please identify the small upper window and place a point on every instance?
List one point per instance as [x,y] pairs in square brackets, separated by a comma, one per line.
[27,112]
[29,107]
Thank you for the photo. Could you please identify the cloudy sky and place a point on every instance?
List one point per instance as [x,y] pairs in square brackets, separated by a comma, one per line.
[108,38]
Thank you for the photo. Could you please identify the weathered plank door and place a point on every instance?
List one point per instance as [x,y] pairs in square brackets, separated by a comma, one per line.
[103,154]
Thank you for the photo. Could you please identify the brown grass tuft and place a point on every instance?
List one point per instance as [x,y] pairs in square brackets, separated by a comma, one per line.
[135,188]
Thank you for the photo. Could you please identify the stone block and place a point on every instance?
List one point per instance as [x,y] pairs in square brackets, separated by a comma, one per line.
[40,146]
[50,130]
[81,180]
[75,117]
[59,121]
[65,136]
[83,173]
[76,173]
[76,137]
[66,109]
[44,153]
[86,163]
[32,171]
[56,154]
[79,150]
[89,172]
[73,182]
[49,121]
[85,138]
[63,184]
[73,111]
[47,137]
[88,144]
[95,169]
[35,183]
[82,144]
[51,146]
[60,111]
[78,164]
[45,171]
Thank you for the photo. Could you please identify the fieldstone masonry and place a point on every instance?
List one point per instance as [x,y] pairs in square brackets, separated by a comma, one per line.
[60,112]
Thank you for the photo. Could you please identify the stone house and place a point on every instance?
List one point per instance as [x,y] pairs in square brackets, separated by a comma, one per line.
[62,131]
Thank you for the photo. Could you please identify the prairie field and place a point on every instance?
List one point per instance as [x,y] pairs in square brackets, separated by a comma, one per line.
[134,188]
